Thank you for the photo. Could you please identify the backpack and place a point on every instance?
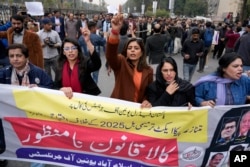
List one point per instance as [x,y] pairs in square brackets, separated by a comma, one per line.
[208,37]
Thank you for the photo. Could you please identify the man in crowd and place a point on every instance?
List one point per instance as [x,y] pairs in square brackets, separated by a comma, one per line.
[82,23]
[70,27]
[18,34]
[155,44]
[191,51]
[58,24]
[51,41]
[21,71]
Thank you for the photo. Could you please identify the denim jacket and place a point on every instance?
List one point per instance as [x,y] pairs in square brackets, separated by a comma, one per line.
[239,88]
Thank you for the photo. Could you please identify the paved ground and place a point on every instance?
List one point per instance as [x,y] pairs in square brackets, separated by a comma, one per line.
[106,85]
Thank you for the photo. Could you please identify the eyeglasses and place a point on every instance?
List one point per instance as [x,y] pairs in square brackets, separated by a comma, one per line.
[72,48]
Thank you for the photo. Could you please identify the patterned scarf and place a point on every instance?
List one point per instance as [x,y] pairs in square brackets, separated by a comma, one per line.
[22,73]
[71,78]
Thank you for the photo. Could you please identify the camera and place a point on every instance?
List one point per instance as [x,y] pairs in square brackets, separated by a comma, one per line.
[49,42]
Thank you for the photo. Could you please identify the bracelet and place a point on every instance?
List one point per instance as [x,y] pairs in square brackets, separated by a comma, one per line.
[115,32]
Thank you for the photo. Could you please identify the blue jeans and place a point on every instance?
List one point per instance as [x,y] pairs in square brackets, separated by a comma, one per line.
[170,47]
[83,45]
[34,164]
[188,71]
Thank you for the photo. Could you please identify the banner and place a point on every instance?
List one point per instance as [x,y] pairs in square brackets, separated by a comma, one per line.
[42,125]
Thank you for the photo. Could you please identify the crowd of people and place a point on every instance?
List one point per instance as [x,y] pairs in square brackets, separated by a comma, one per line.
[71,46]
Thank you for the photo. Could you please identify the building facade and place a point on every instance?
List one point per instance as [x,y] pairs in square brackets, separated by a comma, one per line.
[219,9]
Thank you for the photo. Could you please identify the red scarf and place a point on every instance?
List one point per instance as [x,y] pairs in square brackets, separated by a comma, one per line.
[70,78]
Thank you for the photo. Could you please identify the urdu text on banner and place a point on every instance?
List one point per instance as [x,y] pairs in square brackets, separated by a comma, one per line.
[45,126]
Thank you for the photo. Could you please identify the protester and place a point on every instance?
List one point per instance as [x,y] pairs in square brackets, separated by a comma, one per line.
[155,44]
[231,37]
[207,37]
[18,34]
[71,30]
[21,71]
[168,89]
[58,24]
[191,51]
[227,86]
[51,41]
[98,42]
[132,73]
[74,69]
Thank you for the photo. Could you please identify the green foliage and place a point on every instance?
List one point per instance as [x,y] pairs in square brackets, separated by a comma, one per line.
[159,13]
[162,13]
[195,7]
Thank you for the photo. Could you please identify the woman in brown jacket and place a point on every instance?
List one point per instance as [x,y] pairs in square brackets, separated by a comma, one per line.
[132,73]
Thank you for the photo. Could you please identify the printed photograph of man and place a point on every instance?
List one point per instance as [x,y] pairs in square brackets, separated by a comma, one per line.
[215,160]
[227,132]
[244,124]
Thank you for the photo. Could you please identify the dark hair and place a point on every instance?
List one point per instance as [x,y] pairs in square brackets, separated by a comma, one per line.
[225,60]
[91,24]
[18,17]
[228,121]
[143,59]
[216,155]
[195,31]
[238,29]
[23,48]
[62,58]
[208,24]
[124,28]
[171,61]
[82,14]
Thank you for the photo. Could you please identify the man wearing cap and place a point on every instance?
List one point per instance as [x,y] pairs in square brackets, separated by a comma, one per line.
[51,41]
[18,34]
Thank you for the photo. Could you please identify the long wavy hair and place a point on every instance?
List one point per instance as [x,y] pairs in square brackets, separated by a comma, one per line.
[142,64]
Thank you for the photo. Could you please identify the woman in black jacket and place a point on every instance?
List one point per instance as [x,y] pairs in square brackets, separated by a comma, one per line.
[74,69]
[168,89]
